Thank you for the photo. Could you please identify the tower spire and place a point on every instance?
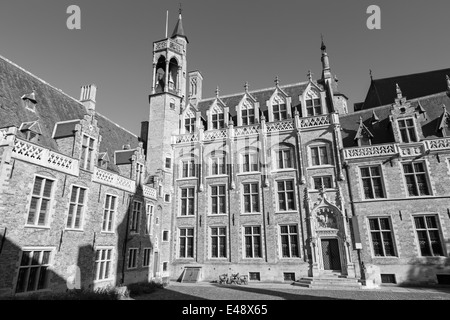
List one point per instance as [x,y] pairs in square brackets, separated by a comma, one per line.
[326,70]
[179,30]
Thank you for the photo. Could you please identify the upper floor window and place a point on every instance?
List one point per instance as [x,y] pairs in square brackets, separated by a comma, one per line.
[188,168]
[250,162]
[218,164]
[148,227]
[189,124]
[218,200]
[251,197]
[323,181]
[218,121]
[416,179]
[286,195]
[109,213]
[313,107]
[428,235]
[320,155]
[248,116]
[38,215]
[284,158]
[76,208]
[132,258]
[139,173]
[187,201]
[372,182]
[279,112]
[168,163]
[218,242]
[87,152]
[407,130]
[135,216]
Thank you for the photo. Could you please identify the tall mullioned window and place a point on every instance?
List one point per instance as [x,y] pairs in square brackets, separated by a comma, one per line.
[325,181]
[76,208]
[251,197]
[407,130]
[382,238]
[187,201]
[250,162]
[428,235]
[284,158]
[103,261]
[248,116]
[289,241]
[186,241]
[319,155]
[189,125]
[188,168]
[109,213]
[416,179]
[33,270]
[218,164]
[372,182]
[218,242]
[38,213]
[286,195]
[135,216]
[252,237]
[87,152]
[218,200]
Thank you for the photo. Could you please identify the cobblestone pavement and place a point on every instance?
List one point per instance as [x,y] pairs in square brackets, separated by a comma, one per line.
[263,291]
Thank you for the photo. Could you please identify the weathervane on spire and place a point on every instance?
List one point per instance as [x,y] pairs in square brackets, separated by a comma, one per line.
[181,9]
[323,47]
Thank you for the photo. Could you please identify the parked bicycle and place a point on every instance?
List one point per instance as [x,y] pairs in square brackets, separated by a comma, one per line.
[233,279]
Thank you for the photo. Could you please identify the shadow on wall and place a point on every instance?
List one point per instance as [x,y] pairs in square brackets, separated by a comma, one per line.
[429,271]
[24,272]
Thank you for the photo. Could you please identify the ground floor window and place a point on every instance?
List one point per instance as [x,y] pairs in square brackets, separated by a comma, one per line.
[428,235]
[254,276]
[33,270]
[103,259]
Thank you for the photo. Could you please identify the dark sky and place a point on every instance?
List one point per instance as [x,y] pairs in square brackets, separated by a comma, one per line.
[231,42]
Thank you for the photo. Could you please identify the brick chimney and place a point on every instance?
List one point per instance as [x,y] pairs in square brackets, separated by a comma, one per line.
[87,97]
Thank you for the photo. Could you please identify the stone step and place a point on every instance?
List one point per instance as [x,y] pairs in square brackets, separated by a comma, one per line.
[327,282]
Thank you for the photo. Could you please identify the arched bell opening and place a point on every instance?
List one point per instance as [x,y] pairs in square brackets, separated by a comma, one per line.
[173,75]
[160,75]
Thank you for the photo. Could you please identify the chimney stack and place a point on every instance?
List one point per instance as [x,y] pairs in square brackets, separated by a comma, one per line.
[87,97]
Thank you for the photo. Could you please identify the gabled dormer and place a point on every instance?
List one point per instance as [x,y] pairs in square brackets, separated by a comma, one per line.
[404,120]
[279,104]
[103,160]
[443,128]
[29,101]
[248,109]
[31,130]
[363,136]
[217,114]
[313,99]
[189,119]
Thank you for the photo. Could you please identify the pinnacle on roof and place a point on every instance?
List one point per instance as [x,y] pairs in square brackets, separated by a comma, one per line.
[179,31]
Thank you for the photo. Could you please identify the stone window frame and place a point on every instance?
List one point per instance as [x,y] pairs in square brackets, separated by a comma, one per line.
[210,251]
[321,176]
[250,182]
[84,209]
[307,96]
[112,275]
[427,177]
[283,147]
[186,247]
[51,209]
[132,263]
[146,258]
[276,197]
[218,154]
[84,163]
[280,245]
[167,238]
[135,223]
[382,177]
[440,229]
[414,127]
[261,242]
[210,199]
[49,267]
[149,217]
[393,236]
[318,144]
[113,216]
[179,211]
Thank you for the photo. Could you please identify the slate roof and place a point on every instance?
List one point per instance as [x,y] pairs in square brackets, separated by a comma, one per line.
[382,91]
[53,106]
[179,30]
[231,101]
[381,130]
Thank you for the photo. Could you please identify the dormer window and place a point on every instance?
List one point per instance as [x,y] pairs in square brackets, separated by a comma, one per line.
[248,114]
[218,121]
[279,112]
[313,107]
[407,130]
[189,124]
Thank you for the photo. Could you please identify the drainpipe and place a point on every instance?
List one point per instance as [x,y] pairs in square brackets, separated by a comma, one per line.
[124,250]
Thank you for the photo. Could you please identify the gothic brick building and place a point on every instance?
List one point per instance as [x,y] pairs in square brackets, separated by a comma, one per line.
[278,184]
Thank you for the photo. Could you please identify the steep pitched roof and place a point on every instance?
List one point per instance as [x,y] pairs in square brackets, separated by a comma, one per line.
[53,106]
[179,30]
[382,91]
[381,129]
[231,101]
